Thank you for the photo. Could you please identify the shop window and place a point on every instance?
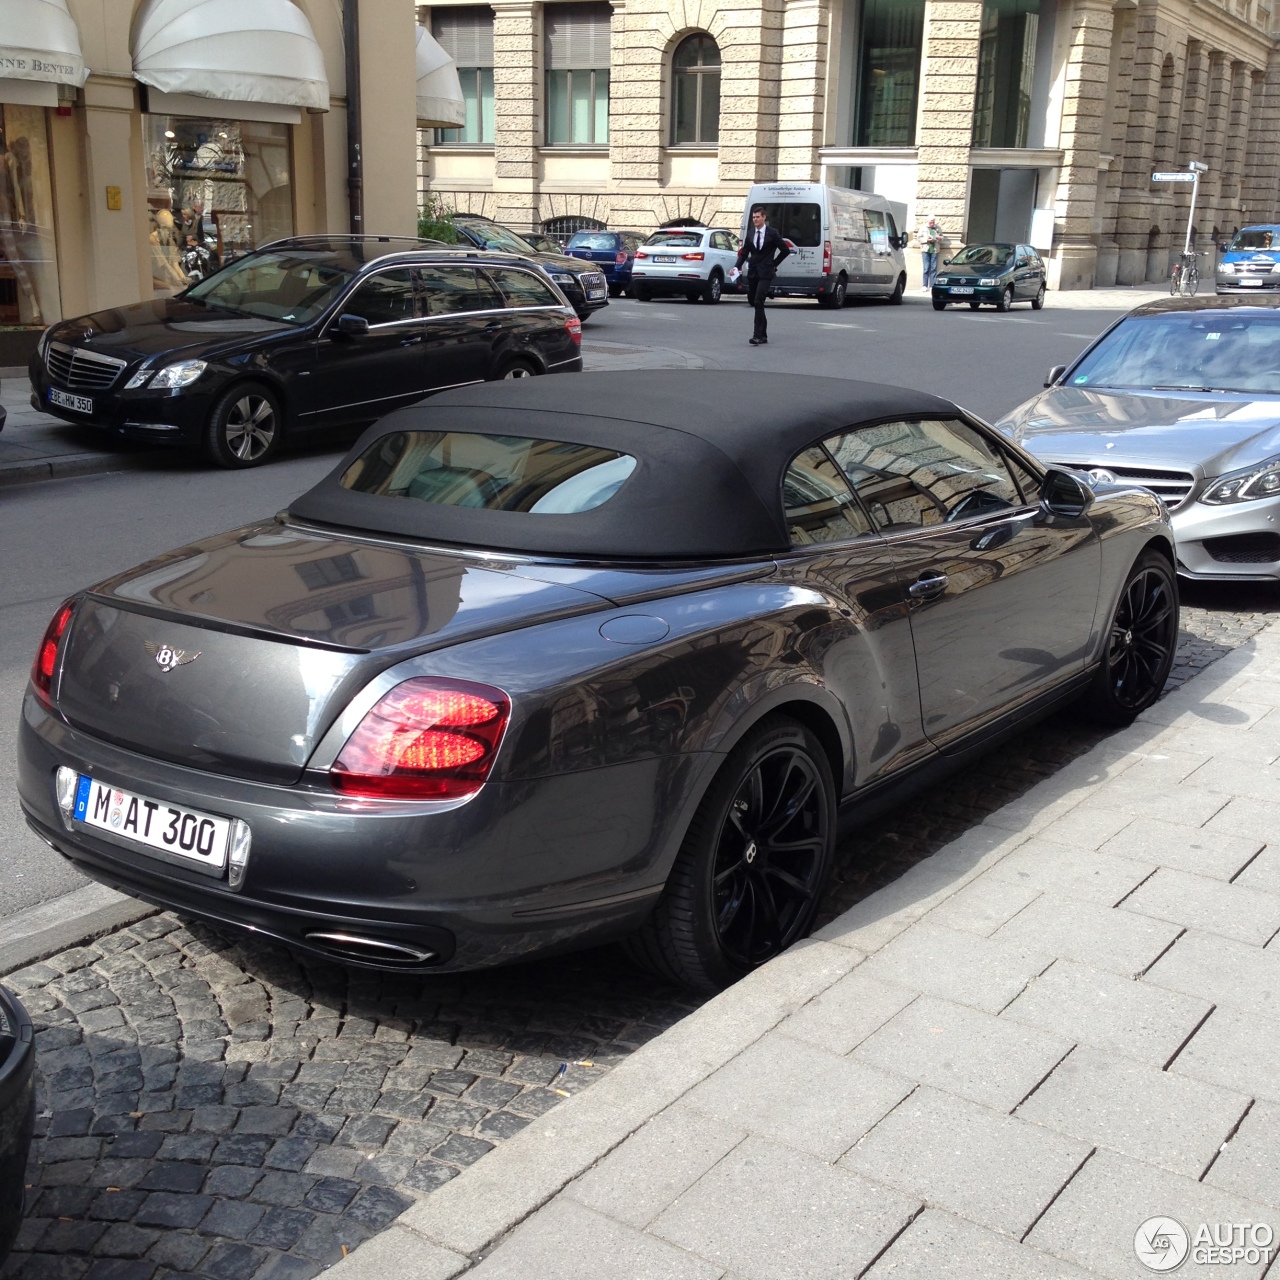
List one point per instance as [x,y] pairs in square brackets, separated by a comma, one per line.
[216,189]
[577,60]
[695,92]
[28,261]
[1006,71]
[889,73]
[466,35]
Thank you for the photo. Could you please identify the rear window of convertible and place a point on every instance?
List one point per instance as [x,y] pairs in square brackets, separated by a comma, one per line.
[495,473]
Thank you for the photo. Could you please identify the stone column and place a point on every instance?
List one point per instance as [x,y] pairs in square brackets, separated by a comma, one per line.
[389,126]
[949,79]
[1260,189]
[1237,132]
[802,92]
[517,109]
[637,95]
[1134,210]
[751,48]
[1089,27]
[1215,140]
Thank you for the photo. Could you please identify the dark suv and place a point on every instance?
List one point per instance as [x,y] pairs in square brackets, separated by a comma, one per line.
[583,283]
[304,334]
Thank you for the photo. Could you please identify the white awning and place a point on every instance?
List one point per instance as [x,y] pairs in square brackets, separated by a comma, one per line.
[230,51]
[39,41]
[440,103]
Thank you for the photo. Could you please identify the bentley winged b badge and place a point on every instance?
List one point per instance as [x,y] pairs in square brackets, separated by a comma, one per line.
[168,657]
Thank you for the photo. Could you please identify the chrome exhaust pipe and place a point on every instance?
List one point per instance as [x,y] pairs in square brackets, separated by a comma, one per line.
[357,947]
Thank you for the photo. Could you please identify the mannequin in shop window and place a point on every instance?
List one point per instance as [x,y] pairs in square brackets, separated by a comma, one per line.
[17,218]
[166,266]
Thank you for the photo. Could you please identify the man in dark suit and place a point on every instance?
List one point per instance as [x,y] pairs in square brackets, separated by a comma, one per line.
[763,250]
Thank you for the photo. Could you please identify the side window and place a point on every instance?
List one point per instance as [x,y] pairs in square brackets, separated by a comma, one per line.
[720,240]
[877,230]
[448,290]
[522,288]
[912,475]
[819,506]
[387,298]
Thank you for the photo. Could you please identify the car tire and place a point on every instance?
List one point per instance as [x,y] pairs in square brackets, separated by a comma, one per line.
[939,304]
[697,934]
[616,291]
[974,304]
[836,298]
[517,368]
[1038,301]
[245,427]
[643,294]
[693,295]
[1005,302]
[1141,639]
[713,288]
[895,298]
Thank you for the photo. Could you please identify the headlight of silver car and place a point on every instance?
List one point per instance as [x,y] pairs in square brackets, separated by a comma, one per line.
[182,374]
[1262,481]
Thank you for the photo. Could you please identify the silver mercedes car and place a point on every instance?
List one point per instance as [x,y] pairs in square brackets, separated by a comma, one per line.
[1181,396]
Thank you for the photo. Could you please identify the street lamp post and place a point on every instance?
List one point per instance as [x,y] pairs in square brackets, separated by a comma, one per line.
[1197,169]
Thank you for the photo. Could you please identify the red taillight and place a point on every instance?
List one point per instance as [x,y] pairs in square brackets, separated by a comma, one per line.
[692,257]
[620,258]
[428,739]
[574,327]
[640,253]
[826,257]
[47,655]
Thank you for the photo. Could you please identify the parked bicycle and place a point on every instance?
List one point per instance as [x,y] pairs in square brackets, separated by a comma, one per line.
[1185,279]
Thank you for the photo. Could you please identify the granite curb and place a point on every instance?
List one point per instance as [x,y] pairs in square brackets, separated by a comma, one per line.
[460,1223]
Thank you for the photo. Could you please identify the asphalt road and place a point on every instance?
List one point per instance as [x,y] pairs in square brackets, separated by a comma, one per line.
[61,535]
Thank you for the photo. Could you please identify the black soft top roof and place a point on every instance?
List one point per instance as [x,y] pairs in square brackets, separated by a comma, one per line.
[711,450]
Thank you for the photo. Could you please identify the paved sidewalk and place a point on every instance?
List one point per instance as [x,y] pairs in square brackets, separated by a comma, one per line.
[1003,1064]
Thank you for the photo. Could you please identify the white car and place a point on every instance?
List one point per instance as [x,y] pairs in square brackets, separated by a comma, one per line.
[694,261]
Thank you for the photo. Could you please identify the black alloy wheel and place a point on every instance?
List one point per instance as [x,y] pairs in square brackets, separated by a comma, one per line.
[1006,300]
[1140,643]
[244,427]
[1038,301]
[713,288]
[754,863]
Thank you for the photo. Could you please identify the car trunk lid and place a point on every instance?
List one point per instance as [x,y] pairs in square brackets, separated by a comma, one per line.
[236,654]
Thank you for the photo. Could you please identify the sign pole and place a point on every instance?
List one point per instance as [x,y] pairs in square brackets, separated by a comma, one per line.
[1191,217]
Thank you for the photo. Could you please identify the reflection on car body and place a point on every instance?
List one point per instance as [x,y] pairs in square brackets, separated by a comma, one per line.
[533,669]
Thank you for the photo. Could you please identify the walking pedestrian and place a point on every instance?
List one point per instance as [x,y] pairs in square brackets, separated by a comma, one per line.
[930,238]
[762,250]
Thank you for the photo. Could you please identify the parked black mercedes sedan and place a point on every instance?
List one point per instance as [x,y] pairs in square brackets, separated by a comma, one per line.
[303,335]
[547,663]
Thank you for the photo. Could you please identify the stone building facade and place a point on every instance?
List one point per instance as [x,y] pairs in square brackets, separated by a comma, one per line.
[1034,120]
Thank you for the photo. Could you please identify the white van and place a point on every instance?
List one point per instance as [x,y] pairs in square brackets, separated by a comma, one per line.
[844,242]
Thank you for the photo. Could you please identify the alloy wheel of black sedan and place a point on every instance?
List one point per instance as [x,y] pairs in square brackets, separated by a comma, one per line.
[244,427]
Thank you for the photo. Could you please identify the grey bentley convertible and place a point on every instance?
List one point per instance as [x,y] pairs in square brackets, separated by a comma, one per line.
[526,672]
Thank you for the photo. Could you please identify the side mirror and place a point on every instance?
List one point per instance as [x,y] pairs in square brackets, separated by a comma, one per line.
[1054,374]
[1062,494]
[352,326]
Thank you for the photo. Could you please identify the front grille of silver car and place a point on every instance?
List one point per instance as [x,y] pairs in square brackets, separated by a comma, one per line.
[80,370]
[1172,487]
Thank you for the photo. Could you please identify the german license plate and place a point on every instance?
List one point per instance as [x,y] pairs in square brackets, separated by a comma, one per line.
[595,293]
[187,834]
[962,288]
[664,257]
[1251,284]
[81,404]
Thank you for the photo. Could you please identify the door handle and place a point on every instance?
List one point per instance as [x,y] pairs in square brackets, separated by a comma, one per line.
[928,585]
[411,342]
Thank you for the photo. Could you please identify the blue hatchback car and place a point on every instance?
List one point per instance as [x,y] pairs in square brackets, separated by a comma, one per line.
[612,251]
[1250,263]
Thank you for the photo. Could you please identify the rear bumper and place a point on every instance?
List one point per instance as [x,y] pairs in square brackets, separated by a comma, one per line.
[520,870]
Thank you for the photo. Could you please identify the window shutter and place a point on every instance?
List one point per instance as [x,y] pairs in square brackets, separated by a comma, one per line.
[465,34]
[577,36]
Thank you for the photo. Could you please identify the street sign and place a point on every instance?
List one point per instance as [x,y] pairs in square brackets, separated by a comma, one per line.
[1173,177]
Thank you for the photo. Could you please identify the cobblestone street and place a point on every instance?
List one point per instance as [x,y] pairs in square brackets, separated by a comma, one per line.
[215,1107]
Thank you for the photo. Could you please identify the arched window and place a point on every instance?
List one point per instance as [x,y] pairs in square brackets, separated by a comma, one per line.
[569,225]
[695,92]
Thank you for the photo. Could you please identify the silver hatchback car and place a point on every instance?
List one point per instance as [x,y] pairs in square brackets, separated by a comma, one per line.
[1181,396]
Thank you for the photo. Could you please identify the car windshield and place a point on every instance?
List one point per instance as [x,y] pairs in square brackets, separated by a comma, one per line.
[1187,350]
[594,240]
[492,236]
[984,255]
[295,286]
[675,239]
[799,223]
[495,473]
[1254,238]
